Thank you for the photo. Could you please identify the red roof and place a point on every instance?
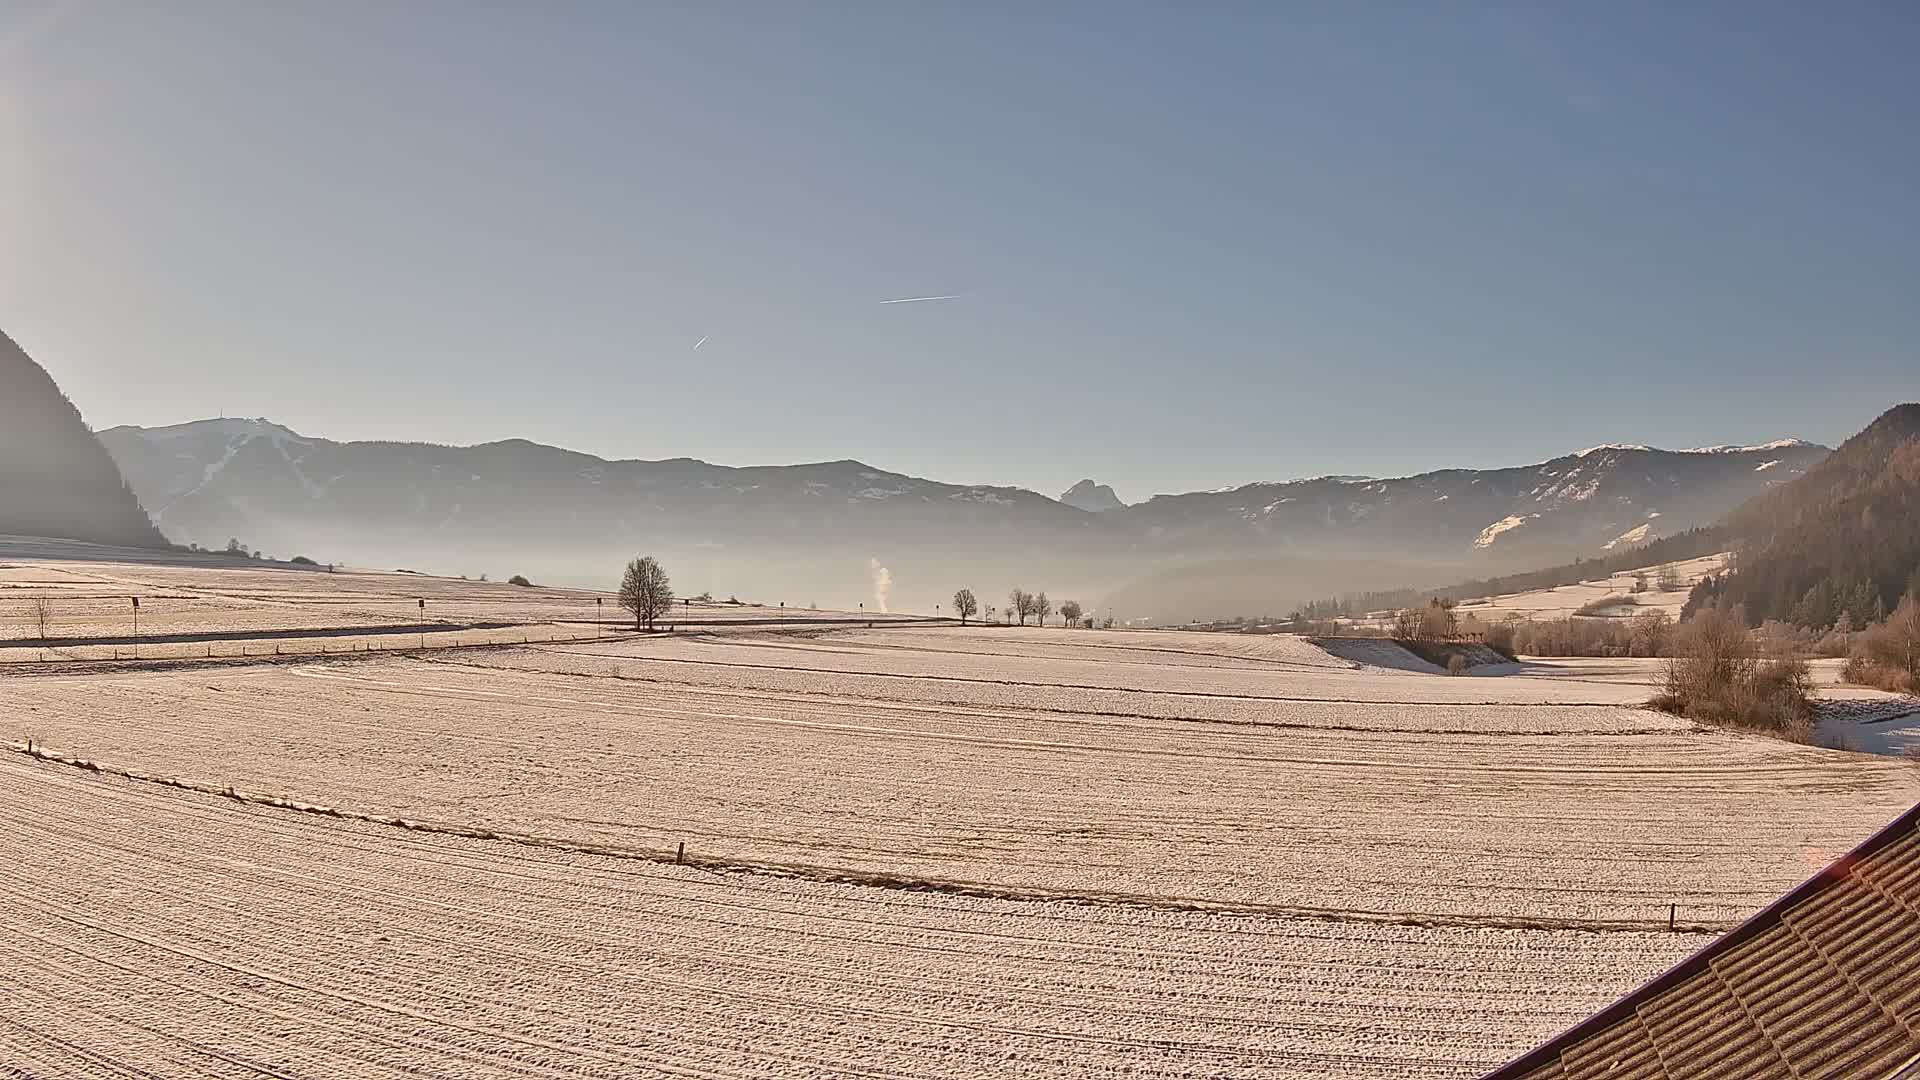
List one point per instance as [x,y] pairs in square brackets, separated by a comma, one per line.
[1823,983]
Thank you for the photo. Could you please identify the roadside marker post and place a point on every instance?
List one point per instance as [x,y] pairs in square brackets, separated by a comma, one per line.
[136,627]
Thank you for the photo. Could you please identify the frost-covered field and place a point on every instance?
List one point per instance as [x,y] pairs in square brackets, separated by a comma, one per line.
[204,606]
[155,932]
[915,850]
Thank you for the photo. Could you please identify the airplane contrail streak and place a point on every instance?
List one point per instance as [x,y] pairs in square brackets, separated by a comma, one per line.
[697,344]
[918,299]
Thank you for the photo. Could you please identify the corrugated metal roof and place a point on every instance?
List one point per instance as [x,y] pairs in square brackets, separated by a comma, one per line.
[1823,983]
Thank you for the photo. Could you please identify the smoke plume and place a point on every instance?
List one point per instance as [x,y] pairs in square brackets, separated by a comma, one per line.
[882,584]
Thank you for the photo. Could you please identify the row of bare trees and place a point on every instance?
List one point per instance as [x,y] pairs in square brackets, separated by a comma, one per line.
[1022,605]
[1887,655]
[1435,621]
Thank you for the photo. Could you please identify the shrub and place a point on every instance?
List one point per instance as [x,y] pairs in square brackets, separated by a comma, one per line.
[1716,677]
[1457,664]
[1863,671]
[520,580]
[302,560]
[1888,655]
[1604,605]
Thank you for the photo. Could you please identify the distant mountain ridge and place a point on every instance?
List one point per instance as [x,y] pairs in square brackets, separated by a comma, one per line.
[1594,500]
[283,491]
[56,480]
[1091,497]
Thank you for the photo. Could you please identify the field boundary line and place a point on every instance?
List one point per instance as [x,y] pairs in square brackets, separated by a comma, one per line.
[881,879]
[1203,694]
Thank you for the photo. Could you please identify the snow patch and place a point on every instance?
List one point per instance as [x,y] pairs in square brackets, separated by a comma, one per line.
[1756,448]
[1506,524]
[1637,534]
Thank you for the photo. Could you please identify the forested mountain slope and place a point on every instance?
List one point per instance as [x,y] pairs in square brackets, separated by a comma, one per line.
[55,478]
[1845,537]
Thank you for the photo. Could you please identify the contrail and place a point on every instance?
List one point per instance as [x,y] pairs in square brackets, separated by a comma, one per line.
[697,344]
[919,299]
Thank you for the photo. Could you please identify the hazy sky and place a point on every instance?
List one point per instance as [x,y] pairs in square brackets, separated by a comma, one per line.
[1196,244]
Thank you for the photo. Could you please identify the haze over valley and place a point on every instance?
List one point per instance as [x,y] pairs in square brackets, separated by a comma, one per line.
[807,533]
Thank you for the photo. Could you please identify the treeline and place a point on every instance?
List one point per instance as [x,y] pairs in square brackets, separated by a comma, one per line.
[1354,604]
[1023,605]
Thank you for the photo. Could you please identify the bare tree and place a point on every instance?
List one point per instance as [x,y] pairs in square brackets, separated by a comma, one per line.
[1438,620]
[645,591]
[1407,623]
[1070,611]
[1647,633]
[1669,579]
[1712,654]
[1020,603]
[42,615]
[965,604]
[1042,607]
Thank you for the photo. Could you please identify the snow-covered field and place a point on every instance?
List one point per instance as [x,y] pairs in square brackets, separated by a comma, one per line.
[211,607]
[156,932]
[912,850]
[1564,601]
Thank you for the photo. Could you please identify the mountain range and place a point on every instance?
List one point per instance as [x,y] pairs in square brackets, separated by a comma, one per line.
[524,507]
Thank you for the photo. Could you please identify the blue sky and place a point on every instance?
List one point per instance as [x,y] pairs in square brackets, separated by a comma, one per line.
[1197,245]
